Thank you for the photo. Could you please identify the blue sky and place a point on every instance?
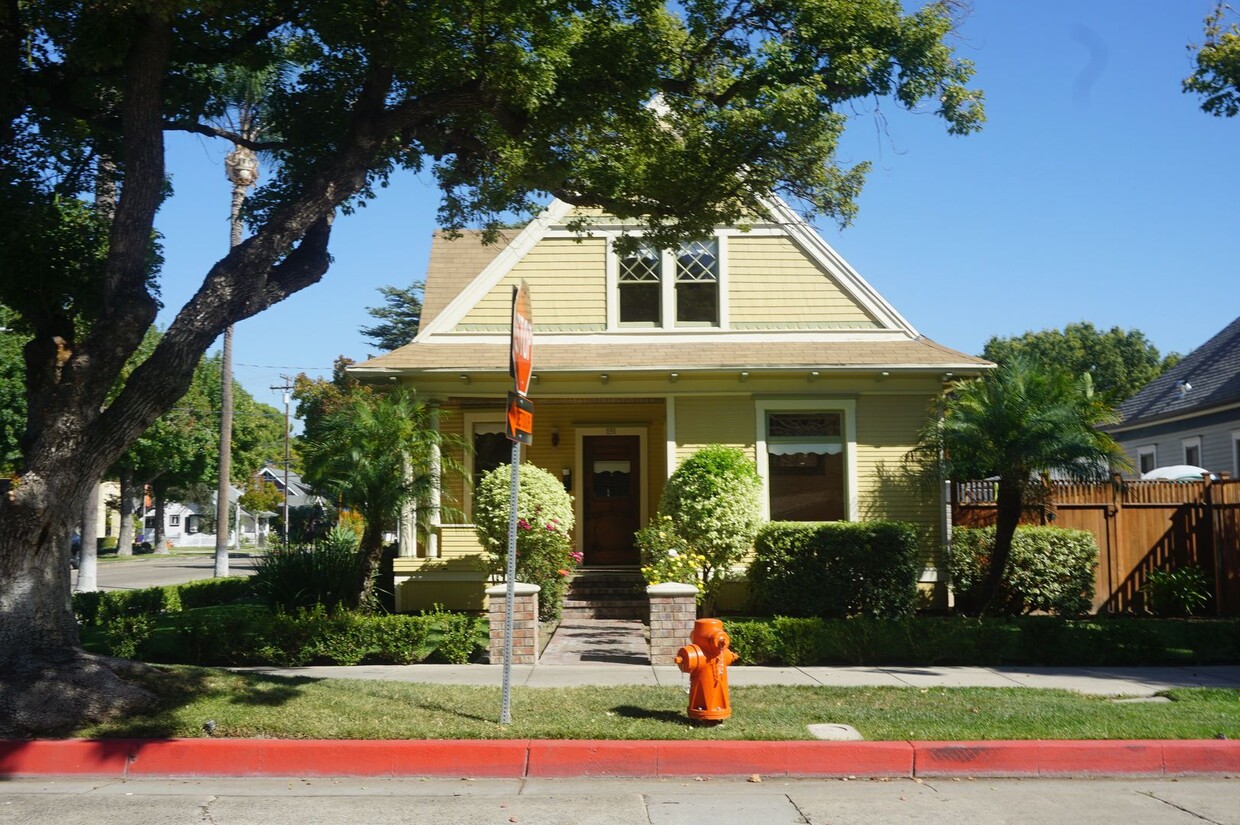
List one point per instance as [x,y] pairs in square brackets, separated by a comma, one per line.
[1096,192]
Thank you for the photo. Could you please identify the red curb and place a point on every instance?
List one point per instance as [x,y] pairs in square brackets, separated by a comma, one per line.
[568,757]
[85,757]
[515,758]
[1202,756]
[327,757]
[1075,758]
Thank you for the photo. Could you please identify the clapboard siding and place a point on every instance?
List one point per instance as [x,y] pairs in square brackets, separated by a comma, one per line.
[771,281]
[567,282]
[714,420]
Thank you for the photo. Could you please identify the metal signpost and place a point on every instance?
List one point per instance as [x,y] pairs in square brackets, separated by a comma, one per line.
[519,428]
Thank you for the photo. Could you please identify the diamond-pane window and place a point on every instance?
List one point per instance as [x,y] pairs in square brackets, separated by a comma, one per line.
[697,261]
[697,283]
[641,289]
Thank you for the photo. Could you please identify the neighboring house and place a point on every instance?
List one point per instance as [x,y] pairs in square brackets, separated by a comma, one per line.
[762,338]
[183,524]
[300,493]
[1190,414]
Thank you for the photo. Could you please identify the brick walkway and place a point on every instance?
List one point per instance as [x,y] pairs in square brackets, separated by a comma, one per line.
[598,642]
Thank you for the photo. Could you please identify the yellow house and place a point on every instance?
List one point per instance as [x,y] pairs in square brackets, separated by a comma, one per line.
[761,337]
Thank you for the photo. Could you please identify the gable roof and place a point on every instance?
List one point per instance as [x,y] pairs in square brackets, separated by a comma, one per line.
[462,271]
[1212,373]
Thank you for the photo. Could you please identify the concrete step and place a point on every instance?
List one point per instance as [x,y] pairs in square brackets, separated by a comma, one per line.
[599,612]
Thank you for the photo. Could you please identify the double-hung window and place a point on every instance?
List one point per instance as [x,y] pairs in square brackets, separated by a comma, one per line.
[641,287]
[661,288]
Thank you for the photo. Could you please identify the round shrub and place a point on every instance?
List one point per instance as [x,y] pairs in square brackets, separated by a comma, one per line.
[545,555]
[714,503]
[1051,569]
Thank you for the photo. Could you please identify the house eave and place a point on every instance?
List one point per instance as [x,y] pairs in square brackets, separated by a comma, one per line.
[1168,418]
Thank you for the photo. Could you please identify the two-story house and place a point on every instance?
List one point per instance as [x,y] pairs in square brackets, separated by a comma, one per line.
[761,337]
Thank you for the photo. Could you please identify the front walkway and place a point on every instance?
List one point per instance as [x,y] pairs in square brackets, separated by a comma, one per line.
[598,642]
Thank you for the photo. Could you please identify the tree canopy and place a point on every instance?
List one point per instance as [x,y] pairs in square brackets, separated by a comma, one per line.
[1216,78]
[678,117]
[1119,362]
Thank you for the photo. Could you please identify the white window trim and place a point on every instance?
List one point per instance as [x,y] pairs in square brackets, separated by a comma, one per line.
[470,420]
[848,408]
[667,291]
[1235,453]
[1148,449]
[579,476]
[1188,443]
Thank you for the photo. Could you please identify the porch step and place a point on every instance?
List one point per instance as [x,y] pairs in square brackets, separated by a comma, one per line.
[607,594]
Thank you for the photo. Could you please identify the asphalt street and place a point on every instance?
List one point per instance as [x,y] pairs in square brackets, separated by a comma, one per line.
[136,572]
[321,801]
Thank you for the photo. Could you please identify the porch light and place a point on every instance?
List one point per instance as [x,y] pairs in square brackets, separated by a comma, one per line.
[603,378]
[464,378]
[674,377]
[744,376]
[813,375]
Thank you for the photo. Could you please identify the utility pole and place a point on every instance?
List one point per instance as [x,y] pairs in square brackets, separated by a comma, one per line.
[286,387]
[241,168]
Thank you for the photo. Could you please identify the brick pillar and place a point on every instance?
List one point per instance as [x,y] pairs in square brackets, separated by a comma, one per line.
[673,609]
[524,623]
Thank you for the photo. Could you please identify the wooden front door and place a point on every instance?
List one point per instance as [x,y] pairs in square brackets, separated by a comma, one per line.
[612,488]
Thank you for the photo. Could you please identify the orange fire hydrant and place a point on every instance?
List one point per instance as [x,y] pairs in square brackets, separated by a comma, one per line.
[706,659]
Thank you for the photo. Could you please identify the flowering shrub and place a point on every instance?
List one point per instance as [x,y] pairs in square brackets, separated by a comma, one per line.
[713,503]
[544,520]
[666,557]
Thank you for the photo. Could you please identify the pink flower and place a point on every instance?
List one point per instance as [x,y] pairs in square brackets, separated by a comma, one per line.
[576,556]
[524,525]
[551,527]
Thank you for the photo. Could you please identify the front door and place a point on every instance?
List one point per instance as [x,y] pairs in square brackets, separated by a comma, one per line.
[612,503]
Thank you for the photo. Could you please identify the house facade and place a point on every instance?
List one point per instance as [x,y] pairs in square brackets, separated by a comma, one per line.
[760,337]
[1190,414]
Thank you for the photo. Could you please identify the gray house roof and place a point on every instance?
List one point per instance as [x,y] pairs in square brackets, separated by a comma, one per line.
[1207,379]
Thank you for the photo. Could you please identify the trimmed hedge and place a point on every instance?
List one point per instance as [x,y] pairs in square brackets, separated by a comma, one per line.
[1051,569]
[253,635]
[100,607]
[835,569]
[1028,640]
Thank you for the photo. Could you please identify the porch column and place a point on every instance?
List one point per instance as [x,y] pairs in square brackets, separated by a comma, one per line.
[524,623]
[673,610]
[432,534]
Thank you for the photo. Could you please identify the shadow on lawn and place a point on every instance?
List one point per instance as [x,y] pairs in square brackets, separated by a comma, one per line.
[632,712]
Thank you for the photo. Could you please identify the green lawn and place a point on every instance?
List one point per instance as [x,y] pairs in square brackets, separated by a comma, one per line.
[248,705]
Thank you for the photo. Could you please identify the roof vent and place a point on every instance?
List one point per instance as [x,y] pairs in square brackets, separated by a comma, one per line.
[1183,387]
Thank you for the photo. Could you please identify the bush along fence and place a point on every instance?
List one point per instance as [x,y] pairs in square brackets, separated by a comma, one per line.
[1140,527]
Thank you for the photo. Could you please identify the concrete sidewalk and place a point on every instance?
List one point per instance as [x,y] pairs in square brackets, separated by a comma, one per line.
[1112,681]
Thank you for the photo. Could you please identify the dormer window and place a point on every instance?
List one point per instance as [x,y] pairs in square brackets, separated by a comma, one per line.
[690,295]
[697,283]
[641,287]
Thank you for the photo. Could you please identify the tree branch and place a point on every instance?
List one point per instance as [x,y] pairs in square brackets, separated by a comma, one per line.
[215,131]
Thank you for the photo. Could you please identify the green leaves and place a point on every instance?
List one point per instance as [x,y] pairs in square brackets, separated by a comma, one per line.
[1217,76]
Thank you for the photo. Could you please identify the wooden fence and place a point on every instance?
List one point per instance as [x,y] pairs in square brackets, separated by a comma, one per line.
[1140,526]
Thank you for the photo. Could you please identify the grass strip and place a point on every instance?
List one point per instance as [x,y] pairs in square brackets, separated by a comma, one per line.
[253,705]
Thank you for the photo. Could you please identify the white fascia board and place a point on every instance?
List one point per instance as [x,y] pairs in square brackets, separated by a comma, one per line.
[849,279]
[495,271]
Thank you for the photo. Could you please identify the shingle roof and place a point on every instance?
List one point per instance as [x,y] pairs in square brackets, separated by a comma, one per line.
[1212,370]
[552,357]
[454,263]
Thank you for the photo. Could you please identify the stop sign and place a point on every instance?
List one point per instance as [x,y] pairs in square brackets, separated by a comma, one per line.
[522,362]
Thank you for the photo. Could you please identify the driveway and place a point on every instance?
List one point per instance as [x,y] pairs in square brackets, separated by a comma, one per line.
[137,572]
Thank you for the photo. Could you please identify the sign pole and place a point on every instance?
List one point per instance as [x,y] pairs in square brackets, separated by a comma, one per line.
[505,714]
[520,425]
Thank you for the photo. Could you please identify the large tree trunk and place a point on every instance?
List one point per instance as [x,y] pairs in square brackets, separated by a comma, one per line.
[48,685]
[1009,505]
[87,577]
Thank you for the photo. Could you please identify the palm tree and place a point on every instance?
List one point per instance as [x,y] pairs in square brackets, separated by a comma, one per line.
[1018,424]
[376,452]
